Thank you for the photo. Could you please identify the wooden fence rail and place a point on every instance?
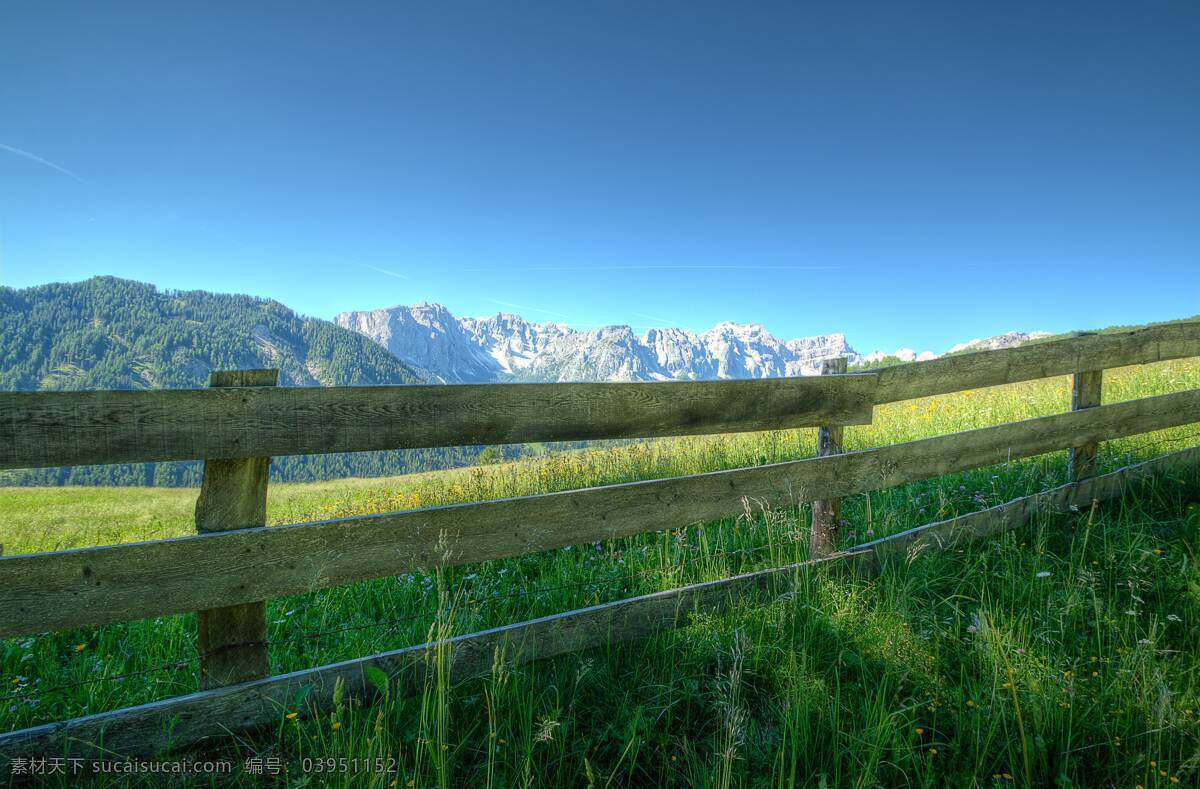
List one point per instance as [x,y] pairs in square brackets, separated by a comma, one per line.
[73,428]
[1039,360]
[116,583]
[39,429]
[237,563]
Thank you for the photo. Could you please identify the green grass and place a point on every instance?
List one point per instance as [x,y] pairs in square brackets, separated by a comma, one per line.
[949,669]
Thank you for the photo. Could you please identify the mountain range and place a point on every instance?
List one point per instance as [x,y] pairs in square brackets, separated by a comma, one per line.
[1007,340]
[109,333]
[506,347]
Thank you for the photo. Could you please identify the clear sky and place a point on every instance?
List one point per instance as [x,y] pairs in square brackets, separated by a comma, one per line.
[908,173]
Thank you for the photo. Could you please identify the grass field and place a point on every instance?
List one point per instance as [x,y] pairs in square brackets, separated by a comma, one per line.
[1062,653]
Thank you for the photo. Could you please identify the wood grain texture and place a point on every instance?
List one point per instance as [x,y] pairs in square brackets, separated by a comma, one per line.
[232,640]
[93,586]
[74,428]
[1039,360]
[1085,393]
[827,513]
[192,720]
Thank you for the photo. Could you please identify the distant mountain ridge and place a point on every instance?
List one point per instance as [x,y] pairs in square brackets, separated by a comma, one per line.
[506,347]
[1007,340]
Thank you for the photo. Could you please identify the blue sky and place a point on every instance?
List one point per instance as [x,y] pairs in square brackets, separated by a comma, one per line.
[909,173]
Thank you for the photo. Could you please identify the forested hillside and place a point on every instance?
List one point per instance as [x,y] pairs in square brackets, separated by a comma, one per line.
[108,333]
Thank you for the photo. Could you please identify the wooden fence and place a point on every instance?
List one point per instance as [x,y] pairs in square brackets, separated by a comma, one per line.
[234,563]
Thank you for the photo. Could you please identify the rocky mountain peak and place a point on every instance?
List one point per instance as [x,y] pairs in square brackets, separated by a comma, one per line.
[505,346]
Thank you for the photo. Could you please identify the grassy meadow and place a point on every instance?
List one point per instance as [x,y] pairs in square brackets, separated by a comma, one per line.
[1063,653]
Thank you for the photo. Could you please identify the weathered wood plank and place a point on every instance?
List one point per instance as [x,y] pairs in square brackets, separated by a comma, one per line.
[1039,360]
[92,586]
[1085,393]
[74,428]
[186,721]
[827,513]
[232,640]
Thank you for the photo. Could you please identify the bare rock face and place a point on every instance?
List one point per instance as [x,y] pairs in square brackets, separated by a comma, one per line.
[507,347]
[430,336]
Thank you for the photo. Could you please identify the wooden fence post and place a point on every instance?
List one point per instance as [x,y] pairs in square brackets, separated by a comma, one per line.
[827,514]
[233,639]
[1085,394]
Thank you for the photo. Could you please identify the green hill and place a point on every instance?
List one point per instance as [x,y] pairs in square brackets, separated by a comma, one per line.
[109,333]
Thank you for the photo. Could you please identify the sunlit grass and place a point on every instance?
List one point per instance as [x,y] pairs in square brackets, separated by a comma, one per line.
[1062,651]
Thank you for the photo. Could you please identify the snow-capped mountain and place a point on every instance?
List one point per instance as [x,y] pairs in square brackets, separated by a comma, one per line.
[507,347]
[1008,340]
